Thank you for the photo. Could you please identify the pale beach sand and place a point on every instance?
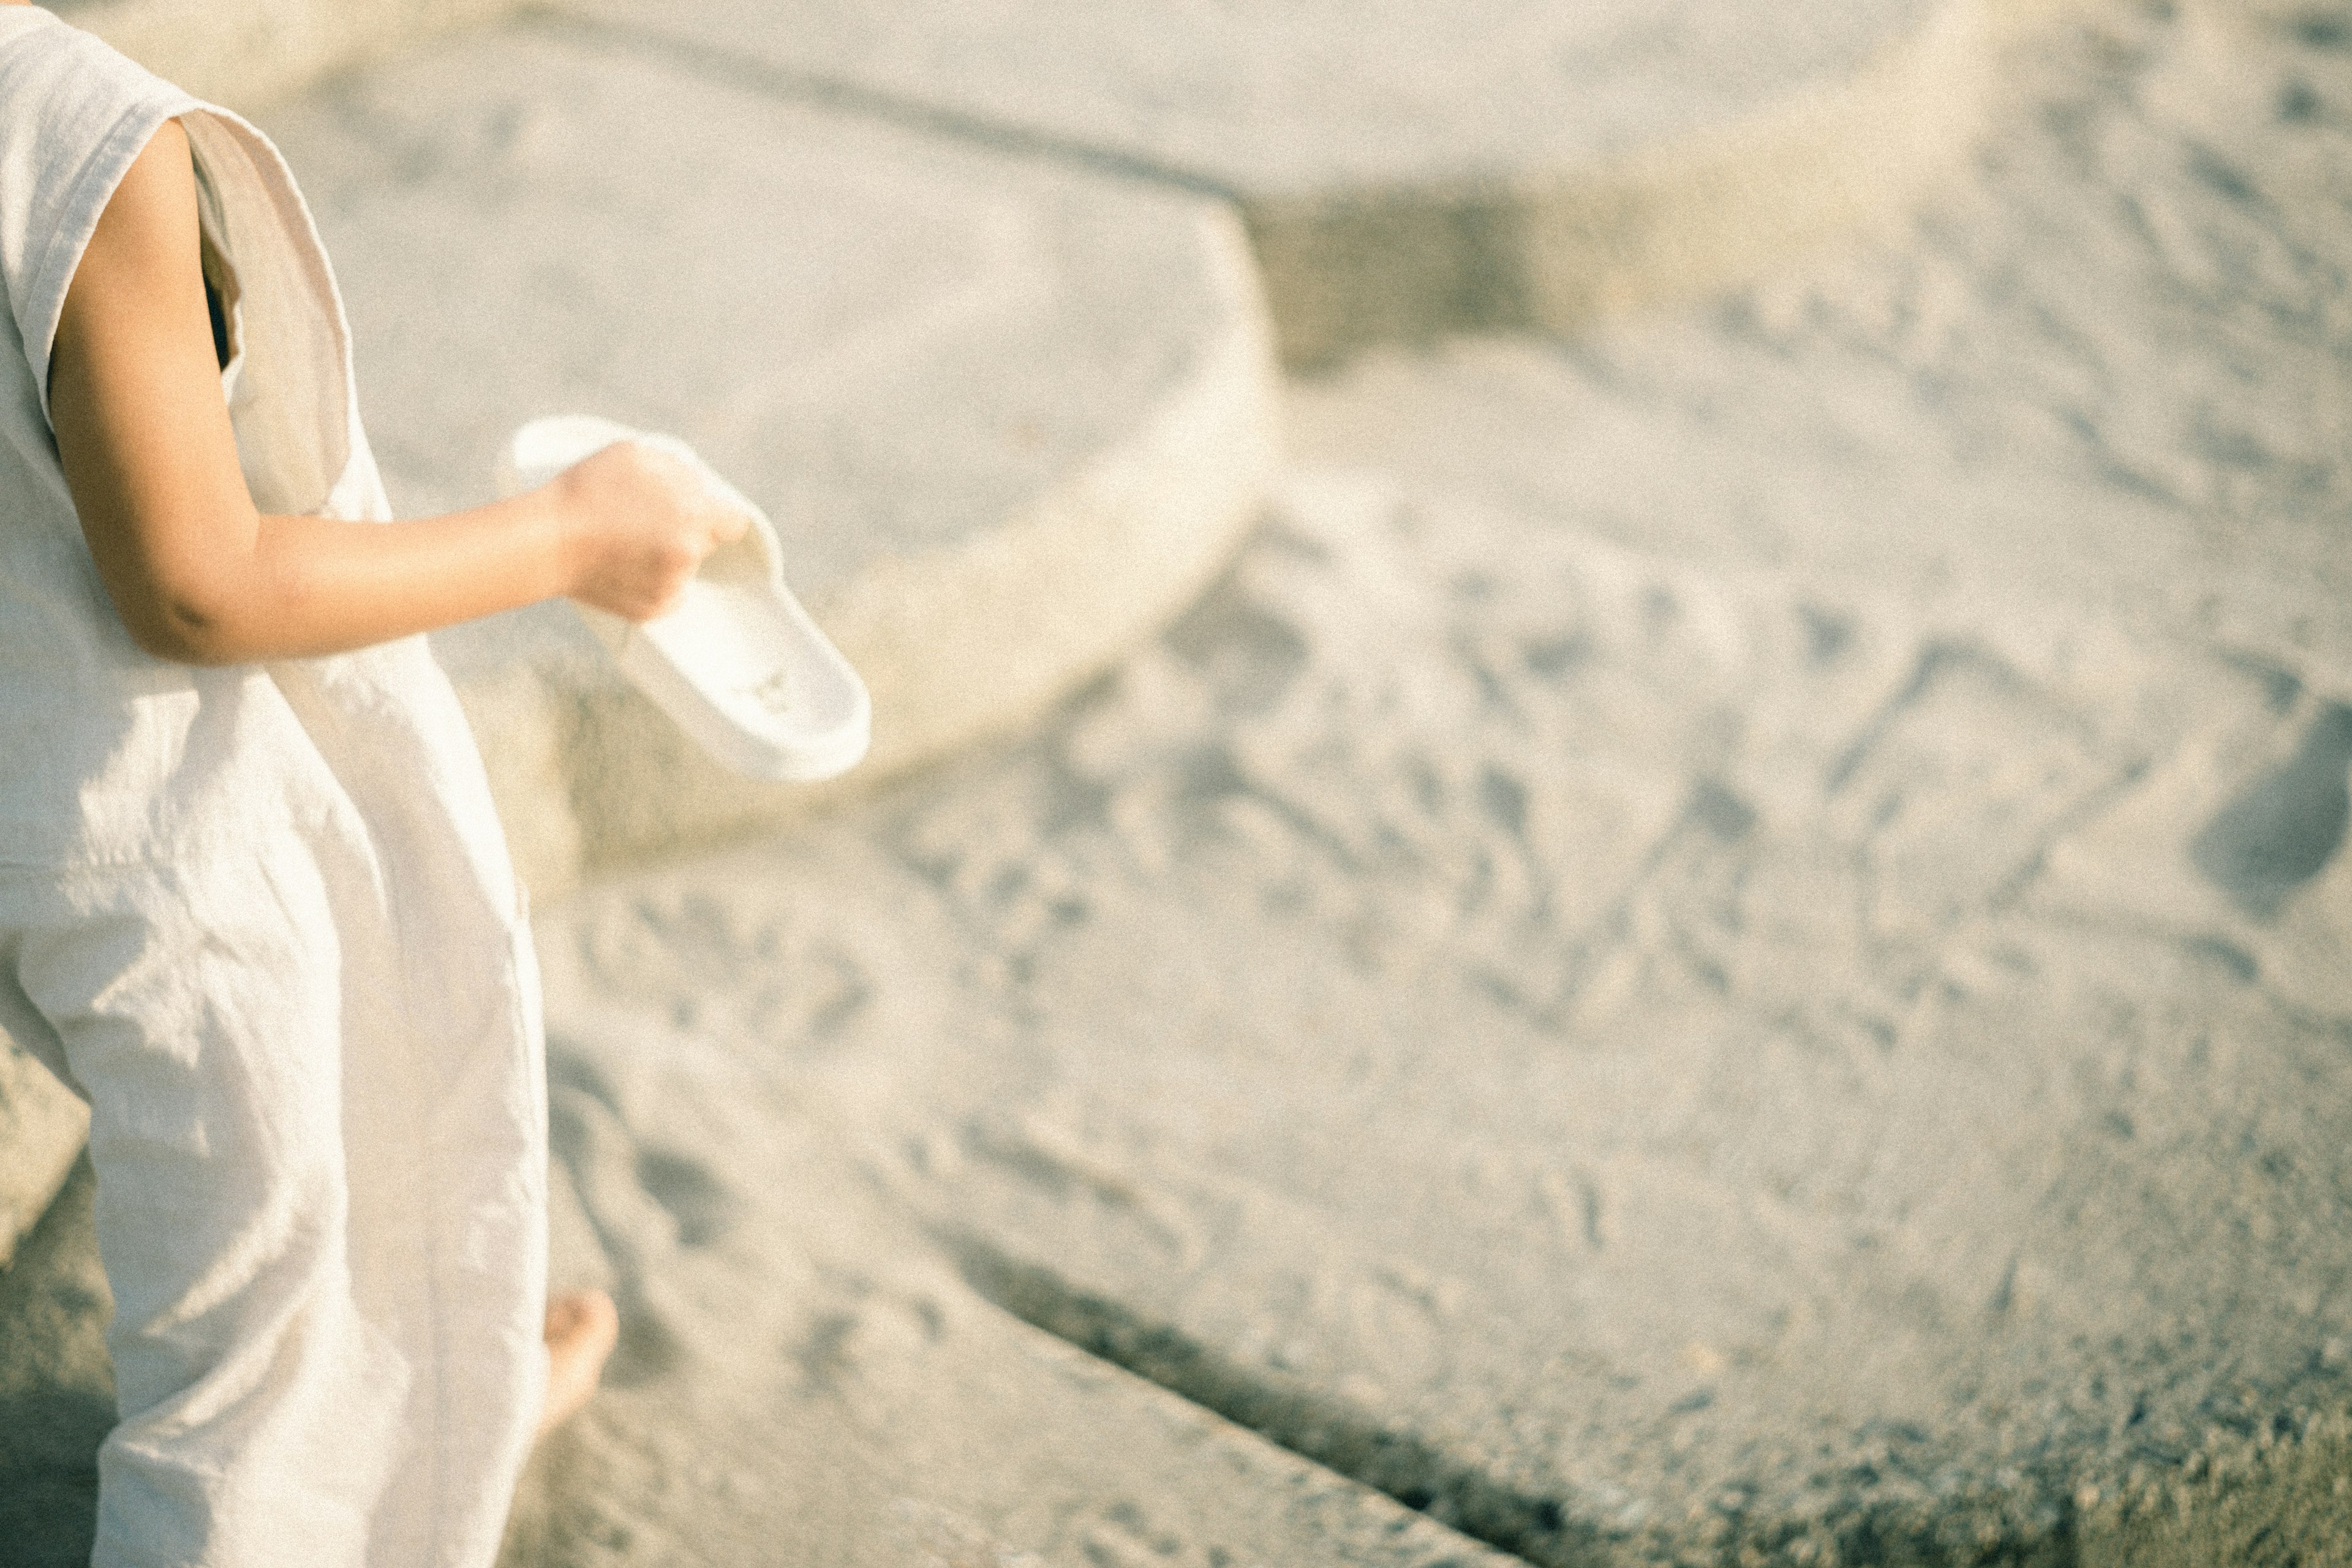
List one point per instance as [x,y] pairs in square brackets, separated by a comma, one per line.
[1726,943]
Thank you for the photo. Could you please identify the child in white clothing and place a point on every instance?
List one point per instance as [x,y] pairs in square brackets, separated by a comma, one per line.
[253,903]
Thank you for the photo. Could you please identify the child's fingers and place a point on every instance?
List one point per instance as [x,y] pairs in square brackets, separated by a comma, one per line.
[664,603]
[653,520]
[705,506]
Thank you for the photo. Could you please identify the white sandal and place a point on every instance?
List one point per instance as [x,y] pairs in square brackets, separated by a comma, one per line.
[738,663]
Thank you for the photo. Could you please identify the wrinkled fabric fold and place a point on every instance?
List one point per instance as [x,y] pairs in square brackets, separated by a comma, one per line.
[263,918]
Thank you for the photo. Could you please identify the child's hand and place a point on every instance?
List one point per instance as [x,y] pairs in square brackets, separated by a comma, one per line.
[637,522]
[200,577]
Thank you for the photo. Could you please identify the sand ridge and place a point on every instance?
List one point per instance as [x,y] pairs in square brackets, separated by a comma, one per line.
[1723,943]
[1726,939]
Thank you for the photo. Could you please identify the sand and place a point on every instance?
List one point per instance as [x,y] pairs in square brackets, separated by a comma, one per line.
[1725,940]
[1724,943]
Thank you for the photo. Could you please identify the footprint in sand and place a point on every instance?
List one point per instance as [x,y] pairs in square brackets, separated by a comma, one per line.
[1121,1535]
[1248,652]
[644,1207]
[2285,826]
[940,1538]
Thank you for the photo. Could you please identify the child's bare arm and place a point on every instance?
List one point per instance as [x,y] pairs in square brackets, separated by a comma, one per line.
[199,576]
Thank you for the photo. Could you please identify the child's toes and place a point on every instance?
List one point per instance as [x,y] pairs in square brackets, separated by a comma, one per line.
[582,1328]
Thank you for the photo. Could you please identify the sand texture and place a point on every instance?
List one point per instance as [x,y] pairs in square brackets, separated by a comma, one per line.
[1724,943]
[805,1377]
[2106,371]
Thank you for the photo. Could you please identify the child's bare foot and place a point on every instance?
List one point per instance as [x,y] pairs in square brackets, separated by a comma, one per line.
[580,1329]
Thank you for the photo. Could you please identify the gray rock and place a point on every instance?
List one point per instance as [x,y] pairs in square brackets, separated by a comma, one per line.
[1408,169]
[1007,417]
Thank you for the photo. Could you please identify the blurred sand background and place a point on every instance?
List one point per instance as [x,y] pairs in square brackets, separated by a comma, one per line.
[1612,761]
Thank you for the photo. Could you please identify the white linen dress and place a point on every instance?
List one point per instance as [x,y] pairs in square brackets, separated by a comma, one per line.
[263,919]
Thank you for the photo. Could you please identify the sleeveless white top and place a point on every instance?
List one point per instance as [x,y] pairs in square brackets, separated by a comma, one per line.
[137,758]
[113,762]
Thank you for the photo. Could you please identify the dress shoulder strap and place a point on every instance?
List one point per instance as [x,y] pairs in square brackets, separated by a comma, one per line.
[74,113]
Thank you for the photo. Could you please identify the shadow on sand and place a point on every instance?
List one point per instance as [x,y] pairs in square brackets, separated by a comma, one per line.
[56,1395]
